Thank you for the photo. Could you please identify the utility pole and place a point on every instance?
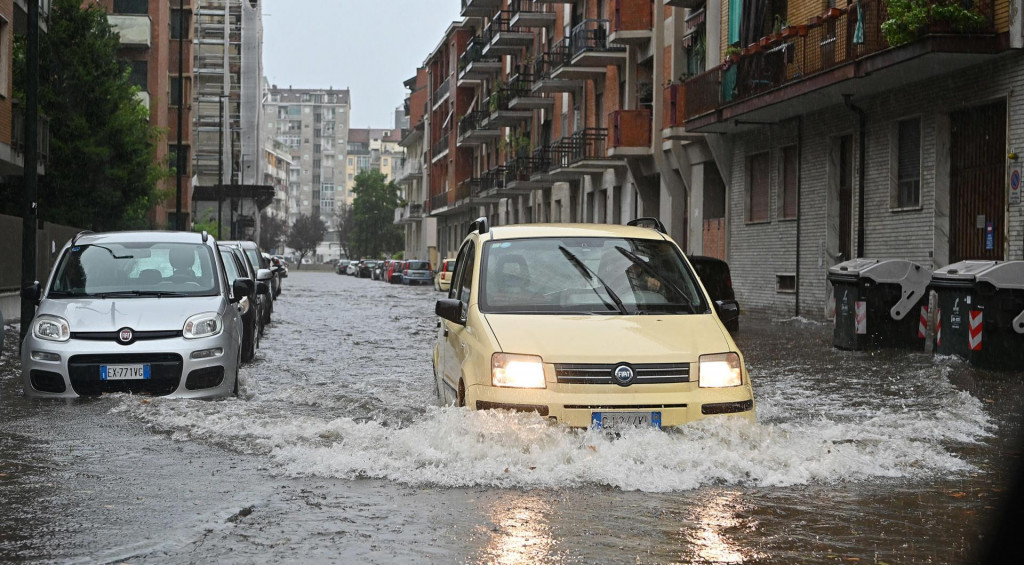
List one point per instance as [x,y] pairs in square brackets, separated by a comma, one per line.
[29,199]
[220,168]
[182,32]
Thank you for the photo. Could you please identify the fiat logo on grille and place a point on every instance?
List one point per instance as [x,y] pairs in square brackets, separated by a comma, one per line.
[623,374]
[125,335]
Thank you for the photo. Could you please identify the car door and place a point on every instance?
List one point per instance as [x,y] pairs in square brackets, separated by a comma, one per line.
[453,351]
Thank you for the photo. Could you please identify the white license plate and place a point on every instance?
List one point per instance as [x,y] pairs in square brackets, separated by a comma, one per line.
[124,372]
[611,420]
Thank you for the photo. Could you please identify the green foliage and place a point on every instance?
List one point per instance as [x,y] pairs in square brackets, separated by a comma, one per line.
[374,232]
[210,225]
[101,173]
[272,232]
[307,232]
[909,19]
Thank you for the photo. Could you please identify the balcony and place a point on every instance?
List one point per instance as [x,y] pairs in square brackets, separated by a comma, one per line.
[409,214]
[489,187]
[439,202]
[691,4]
[440,147]
[589,53]
[673,116]
[479,8]
[411,170]
[525,98]
[520,173]
[501,113]
[584,152]
[475,129]
[544,81]
[473,66]
[135,30]
[632,21]
[503,38]
[442,92]
[630,133]
[809,67]
[530,14]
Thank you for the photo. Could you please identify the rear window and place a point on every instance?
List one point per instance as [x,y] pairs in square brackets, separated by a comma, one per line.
[418,266]
[715,277]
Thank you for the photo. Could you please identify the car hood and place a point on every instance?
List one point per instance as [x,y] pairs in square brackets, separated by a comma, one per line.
[140,314]
[610,339]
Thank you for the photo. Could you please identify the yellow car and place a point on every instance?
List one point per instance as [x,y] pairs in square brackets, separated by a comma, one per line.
[443,278]
[587,324]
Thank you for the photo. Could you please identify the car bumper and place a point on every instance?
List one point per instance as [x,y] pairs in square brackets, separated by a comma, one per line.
[413,278]
[77,372]
[575,405]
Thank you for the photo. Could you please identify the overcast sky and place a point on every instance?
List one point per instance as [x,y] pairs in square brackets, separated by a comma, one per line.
[368,46]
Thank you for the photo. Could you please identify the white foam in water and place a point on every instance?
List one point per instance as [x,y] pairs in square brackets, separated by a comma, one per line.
[803,436]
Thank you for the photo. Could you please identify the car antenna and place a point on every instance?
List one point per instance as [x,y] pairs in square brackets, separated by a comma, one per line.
[74,240]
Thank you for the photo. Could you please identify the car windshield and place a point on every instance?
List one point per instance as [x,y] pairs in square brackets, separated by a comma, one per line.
[418,266]
[587,275]
[135,269]
[254,257]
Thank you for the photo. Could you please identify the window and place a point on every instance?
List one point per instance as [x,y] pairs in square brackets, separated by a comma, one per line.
[5,62]
[172,158]
[462,282]
[790,178]
[908,168]
[139,75]
[758,182]
[176,91]
[177,24]
[131,6]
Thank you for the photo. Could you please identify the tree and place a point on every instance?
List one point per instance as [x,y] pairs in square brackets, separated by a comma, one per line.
[307,232]
[272,231]
[101,171]
[344,218]
[374,232]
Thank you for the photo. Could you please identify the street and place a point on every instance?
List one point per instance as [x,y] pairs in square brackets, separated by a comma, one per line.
[337,451]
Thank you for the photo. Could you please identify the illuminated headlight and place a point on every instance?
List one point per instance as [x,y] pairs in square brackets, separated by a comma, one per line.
[517,371]
[51,328]
[720,370]
[202,325]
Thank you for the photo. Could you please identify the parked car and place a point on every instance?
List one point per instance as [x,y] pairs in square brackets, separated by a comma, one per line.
[395,272]
[237,266]
[378,271]
[275,283]
[714,274]
[417,272]
[263,272]
[589,324]
[139,312]
[366,269]
[352,268]
[443,278]
[342,268]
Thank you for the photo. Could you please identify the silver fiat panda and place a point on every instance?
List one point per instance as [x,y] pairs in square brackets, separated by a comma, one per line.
[137,312]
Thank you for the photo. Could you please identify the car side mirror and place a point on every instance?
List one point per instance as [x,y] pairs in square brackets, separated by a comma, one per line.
[241,288]
[264,275]
[32,292]
[450,309]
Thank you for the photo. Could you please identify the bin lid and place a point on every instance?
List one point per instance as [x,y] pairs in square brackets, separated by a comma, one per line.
[912,278]
[851,268]
[1004,275]
[964,271]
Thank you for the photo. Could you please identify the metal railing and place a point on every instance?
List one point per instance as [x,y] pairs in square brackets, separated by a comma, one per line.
[591,35]
[556,56]
[475,53]
[442,144]
[472,121]
[504,94]
[438,201]
[442,91]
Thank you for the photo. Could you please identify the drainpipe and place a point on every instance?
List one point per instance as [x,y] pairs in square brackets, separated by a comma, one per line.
[799,181]
[861,150]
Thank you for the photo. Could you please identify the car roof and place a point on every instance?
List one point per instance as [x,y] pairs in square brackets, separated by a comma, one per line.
[706,259]
[242,243]
[140,237]
[573,230]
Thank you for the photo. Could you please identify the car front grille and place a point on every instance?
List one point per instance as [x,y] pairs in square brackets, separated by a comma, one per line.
[165,373]
[601,374]
[137,336]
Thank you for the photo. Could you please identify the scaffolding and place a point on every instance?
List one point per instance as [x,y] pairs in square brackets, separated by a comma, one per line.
[217,111]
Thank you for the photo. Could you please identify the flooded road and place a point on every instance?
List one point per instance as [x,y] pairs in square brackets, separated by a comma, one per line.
[337,452]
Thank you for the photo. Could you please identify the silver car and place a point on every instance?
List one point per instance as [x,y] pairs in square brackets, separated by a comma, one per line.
[139,312]
[417,272]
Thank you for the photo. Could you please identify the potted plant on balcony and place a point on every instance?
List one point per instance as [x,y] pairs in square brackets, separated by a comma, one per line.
[832,13]
[732,53]
[910,19]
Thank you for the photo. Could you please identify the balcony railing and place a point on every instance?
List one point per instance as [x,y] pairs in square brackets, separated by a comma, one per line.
[442,144]
[591,35]
[475,54]
[442,91]
[674,112]
[438,201]
[472,122]
[552,59]
[588,144]
[477,8]
[630,128]
[800,52]
[527,13]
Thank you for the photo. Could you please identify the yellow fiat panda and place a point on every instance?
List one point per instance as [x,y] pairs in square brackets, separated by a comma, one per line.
[588,324]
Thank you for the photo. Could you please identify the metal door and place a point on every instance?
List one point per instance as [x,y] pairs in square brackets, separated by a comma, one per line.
[977,200]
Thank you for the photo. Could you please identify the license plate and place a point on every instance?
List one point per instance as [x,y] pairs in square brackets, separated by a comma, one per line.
[611,420]
[124,372]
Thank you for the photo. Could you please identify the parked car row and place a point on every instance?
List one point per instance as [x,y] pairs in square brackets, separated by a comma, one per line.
[160,313]
[394,271]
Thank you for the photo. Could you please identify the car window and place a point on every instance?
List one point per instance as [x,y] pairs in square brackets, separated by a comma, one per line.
[254,258]
[587,275]
[462,283]
[136,269]
[419,266]
[229,265]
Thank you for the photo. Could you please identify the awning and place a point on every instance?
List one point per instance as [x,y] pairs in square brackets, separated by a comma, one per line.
[261,194]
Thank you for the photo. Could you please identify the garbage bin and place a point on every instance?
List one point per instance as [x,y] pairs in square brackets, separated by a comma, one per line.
[981,312]
[878,303]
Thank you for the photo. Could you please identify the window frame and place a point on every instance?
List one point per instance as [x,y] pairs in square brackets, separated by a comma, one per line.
[749,188]
[896,204]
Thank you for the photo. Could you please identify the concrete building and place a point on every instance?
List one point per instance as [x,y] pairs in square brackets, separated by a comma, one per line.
[151,32]
[313,124]
[420,229]
[372,148]
[13,16]
[276,174]
[835,140]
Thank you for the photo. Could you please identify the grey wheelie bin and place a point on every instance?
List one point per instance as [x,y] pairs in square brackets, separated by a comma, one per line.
[981,312]
[878,303]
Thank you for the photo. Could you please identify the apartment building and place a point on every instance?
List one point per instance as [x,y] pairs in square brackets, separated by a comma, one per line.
[12,115]
[276,174]
[371,148]
[839,137]
[420,229]
[313,124]
[151,34]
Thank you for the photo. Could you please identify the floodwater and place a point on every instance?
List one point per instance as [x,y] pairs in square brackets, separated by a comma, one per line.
[338,452]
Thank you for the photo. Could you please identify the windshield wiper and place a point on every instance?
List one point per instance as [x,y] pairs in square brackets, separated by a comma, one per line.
[138,293]
[635,259]
[590,275]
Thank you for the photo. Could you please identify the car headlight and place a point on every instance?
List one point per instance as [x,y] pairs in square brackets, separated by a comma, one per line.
[51,328]
[517,371]
[203,325]
[720,370]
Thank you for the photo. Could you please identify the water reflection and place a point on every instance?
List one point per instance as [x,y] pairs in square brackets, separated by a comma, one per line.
[708,540]
[520,530]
